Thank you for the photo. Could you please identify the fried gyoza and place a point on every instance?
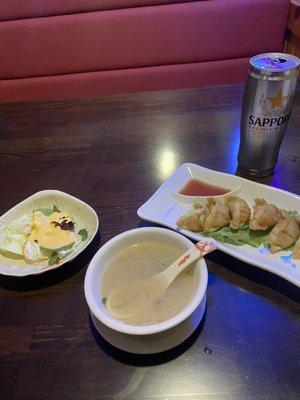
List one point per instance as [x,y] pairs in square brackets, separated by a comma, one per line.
[296,251]
[264,215]
[240,212]
[284,234]
[218,215]
[194,220]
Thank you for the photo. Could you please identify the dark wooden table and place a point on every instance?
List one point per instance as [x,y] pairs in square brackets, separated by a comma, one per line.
[114,152]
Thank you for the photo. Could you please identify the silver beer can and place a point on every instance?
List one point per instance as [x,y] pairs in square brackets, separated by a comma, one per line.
[267,106]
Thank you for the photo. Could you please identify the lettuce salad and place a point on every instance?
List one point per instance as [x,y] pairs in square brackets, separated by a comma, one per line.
[42,235]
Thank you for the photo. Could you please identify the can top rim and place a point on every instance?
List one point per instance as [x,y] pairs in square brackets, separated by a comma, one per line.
[274,62]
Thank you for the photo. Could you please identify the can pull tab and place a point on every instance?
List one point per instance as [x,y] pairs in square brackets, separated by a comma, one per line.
[277,60]
[274,62]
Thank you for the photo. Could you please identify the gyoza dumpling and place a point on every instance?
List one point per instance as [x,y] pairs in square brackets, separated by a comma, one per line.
[240,212]
[264,215]
[284,234]
[194,220]
[218,216]
[296,251]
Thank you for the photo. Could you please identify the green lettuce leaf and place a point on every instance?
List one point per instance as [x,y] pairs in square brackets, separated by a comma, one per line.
[241,236]
[83,233]
[48,211]
[291,213]
[53,259]
[21,225]
[45,211]
[11,244]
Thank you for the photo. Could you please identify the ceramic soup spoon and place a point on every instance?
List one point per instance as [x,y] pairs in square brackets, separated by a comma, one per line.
[130,299]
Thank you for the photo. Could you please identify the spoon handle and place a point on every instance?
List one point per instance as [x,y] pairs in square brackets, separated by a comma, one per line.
[199,250]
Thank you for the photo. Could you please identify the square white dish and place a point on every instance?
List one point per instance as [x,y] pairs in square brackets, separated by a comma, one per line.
[164,208]
[83,214]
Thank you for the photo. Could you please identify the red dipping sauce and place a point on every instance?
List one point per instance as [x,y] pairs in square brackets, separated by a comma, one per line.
[194,187]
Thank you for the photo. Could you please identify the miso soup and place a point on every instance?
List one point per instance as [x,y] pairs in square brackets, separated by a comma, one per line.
[144,260]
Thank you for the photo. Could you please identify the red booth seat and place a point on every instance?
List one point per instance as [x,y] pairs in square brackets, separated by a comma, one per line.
[187,44]
[15,9]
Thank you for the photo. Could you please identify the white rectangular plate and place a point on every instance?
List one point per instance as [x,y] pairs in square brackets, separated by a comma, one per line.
[164,208]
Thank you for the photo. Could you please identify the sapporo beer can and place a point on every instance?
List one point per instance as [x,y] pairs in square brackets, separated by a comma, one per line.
[266,111]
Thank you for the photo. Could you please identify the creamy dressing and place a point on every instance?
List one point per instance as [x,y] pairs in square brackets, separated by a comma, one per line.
[142,261]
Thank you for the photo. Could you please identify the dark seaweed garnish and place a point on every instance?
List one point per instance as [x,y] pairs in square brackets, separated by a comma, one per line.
[65,225]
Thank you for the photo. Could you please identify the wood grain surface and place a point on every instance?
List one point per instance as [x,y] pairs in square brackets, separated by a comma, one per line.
[113,152]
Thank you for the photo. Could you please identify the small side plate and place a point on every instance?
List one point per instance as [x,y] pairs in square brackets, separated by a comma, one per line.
[84,216]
